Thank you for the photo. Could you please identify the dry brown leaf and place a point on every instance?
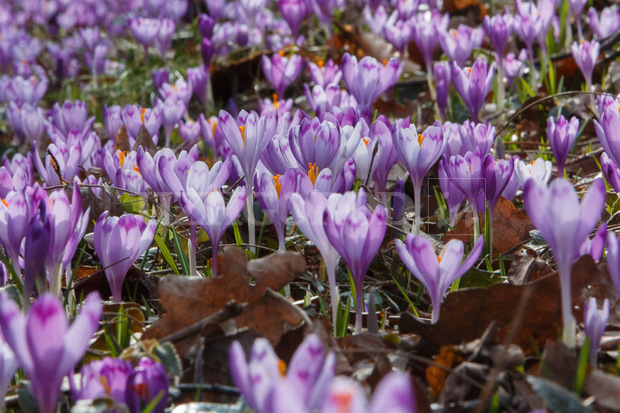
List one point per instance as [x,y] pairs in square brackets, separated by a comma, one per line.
[121,143]
[188,300]
[510,227]
[466,314]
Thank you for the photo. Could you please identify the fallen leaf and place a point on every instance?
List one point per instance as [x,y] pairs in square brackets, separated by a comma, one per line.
[605,388]
[188,300]
[510,226]
[137,281]
[466,314]
[145,140]
[121,143]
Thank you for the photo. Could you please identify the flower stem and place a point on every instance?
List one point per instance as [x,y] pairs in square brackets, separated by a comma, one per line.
[359,307]
[191,248]
[570,325]
[417,193]
[251,221]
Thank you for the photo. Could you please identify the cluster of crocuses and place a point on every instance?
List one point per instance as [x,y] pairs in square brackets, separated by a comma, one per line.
[48,349]
[309,382]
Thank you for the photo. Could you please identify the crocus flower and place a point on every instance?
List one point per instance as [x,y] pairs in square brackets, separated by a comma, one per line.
[119,241]
[172,112]
[425,34]
[393,394]
[498,28]
[112,120]
[273,194]
[586,54]
[148,381]
[496,175]
[106,377]
[594,323]
[262,382]
[375,19]
[281,71]
[315,142]
[135,116]
[248,138]
[565,231]
[451,193]
[37,242]
[368,79]
[190,132]
[610,172]
[206,24]
[576,6]
[607,132]
[163,39]
[398,31]
[15,215]
[473,84]
[45,346]
[308,215]
[562,135]
[595,246]
[613,260]
[607,24]
[8,367]
[458,43]
[357,234]
[418,152]
[181,90]
[293,12]
[443,78]
[324,74]
[538,169]
[385,157]
[436,272]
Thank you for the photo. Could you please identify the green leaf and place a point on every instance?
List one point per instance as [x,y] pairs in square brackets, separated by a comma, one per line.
[183,260]
[132,204]
[582,366]
[165,252]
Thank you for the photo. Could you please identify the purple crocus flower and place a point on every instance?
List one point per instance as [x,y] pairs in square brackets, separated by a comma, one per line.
[145,31]
[458,43]
[190,132]
[426,34]
[198,77]
[586,54]
[436,272]
[106,377]
[263,384]
[451,193]
[119,241]
[308,215]
[45,346]
[273,194]
[180,90]
[135,116]
[163,39]
[595,246]
[148,381]
[498,28]
[611,172]
[281,71]
[613,259]
[368,79]
[576,6]
[418,152]
[293,12]
[607,24]
[122,171]
[397,31]
[357,234]
[385,157]
[248,138]
[607,132]
[36,243]
[315,142]
[112,120]
[393,394]
[496,175]
[564,232]
[324,74]
[160,76]
[443,78]
[594,323]
[8,367]
[562,135]
[172,112]
[206,24]
[473,84]
[15,216]
[375,19]
[70,117]
[210,212]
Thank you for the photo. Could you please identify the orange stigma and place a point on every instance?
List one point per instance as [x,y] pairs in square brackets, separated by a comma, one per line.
[277,184]
[6,204]
[142,115]
[366,140]
[385,62]
[135,168]
[343,402]
[281,53]
[313,172]
[453,33]
[242,130]
[121,158]
[320,63]
[276,103]
[213,125]
[282,368]
[420,139]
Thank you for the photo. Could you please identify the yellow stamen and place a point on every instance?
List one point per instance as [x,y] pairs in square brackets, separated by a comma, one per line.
[242,130]
[469,70]
[6,204]
[420,139]
[175,88]
[313,172]
[532,162]
[281,53]
[438,258]
[282,368]
[135,168]
[366,140]
[277,184]
[320,63]
[142,115]
[276,103]
[453,32]
[385,62]
[104,383]
[121,158]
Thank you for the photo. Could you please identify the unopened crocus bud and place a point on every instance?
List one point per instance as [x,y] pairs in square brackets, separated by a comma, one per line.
[594,323]
[160,76]
[206,24]
[206,51]
[106,377]
[293,12]
[148,381]
[562,135]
